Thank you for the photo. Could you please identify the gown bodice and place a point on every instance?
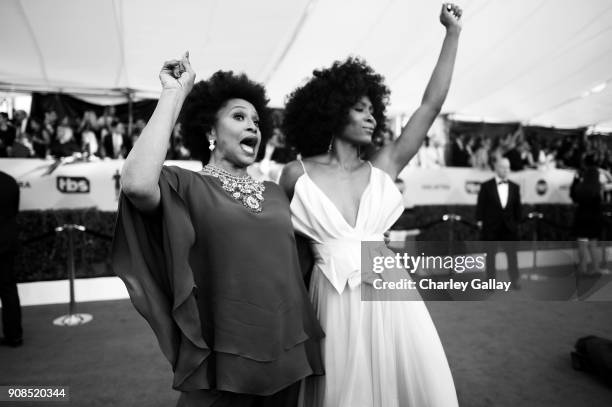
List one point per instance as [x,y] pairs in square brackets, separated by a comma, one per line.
[334,240]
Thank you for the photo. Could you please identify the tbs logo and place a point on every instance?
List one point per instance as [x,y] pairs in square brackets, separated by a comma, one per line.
[541,187]
[472,187]
[73,185]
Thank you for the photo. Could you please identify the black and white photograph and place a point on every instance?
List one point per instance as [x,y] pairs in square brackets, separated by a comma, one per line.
[306,203]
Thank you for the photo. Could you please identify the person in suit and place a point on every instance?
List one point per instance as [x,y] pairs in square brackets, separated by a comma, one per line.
[11,308]
[498,212]
[460,156]
[115,142]
[586,192]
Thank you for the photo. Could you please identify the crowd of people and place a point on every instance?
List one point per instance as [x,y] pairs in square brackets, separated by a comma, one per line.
[526,152]
[89,136]
[107,136]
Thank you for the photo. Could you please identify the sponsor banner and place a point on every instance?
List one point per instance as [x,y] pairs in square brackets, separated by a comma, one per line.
[460,186]
[47,184]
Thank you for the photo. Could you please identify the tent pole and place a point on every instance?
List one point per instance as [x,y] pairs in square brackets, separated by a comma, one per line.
[130,113]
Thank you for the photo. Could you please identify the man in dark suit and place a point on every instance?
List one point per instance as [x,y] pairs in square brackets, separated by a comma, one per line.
[115,142]
[460,157]
[498,213]
[11,308]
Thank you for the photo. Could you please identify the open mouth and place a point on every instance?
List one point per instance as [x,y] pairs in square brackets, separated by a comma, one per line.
[369,130]
[248,144]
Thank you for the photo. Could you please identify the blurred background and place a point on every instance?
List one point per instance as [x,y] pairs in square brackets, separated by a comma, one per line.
[532,83]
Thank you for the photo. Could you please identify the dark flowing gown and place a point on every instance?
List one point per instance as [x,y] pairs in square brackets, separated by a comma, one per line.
[220,286]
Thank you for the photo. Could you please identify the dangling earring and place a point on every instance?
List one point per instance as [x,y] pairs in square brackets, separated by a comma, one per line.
[211,144]
[331,145]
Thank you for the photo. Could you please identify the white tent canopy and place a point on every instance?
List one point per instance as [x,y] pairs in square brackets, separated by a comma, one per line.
[546,62]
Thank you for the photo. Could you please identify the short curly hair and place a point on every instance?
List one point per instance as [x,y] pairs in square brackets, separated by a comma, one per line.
[199,112]
[317,111]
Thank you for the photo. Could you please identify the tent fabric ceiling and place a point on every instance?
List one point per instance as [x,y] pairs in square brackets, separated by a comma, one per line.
[534,61]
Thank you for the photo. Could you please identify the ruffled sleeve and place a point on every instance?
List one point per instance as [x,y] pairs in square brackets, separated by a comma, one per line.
[150,254]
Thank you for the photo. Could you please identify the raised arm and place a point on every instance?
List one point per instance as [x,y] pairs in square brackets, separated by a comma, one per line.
[140,173]
[394,157]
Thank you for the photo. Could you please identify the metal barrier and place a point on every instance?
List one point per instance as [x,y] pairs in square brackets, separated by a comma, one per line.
[73,318]
[536,218]
[452,219]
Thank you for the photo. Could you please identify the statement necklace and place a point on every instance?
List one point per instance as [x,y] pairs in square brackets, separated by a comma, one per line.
[243,189]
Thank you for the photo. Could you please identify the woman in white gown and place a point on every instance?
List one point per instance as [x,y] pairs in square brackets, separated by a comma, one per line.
[376,353]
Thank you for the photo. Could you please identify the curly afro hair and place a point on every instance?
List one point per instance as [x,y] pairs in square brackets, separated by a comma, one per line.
[319,110]
[199,113]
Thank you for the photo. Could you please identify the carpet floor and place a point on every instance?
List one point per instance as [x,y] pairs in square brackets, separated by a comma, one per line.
[502,354]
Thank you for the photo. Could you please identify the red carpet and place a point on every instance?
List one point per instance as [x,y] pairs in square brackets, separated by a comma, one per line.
[501,354]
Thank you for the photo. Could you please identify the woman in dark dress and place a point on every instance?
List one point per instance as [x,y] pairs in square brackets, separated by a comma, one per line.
[209,257]
[586,192]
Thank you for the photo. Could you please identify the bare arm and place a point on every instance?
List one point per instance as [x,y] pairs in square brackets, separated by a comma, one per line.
[140,172]
[289,176]
[394,157]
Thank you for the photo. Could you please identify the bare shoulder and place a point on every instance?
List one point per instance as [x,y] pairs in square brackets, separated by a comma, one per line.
[289,176]
[292,171]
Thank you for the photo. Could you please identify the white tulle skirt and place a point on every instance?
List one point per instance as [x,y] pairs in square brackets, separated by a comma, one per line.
[376,354]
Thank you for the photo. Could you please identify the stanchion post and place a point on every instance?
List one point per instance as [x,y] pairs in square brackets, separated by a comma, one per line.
[451,218]
[535,216]
[72,318]
[451,235]
[71,272]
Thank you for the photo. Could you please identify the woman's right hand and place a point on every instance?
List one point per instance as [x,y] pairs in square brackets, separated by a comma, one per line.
[177,74]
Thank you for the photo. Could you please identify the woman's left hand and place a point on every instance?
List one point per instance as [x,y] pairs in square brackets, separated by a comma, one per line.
[450,16]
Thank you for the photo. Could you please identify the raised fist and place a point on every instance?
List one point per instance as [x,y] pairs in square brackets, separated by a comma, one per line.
[177,74]
[450,16]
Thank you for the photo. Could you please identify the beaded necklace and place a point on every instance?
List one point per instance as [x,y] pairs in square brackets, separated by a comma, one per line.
[243,189]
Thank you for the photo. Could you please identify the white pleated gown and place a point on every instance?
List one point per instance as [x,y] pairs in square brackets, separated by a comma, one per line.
[376,353]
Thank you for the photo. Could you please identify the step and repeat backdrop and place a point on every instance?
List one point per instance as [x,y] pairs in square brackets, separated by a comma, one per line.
[47,184]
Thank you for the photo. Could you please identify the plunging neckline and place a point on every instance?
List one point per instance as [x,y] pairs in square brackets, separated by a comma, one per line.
[325,196]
